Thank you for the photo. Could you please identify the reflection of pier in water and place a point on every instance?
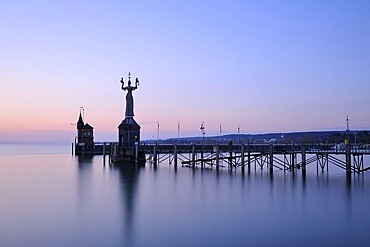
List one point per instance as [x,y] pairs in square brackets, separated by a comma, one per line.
[129,176]
[244,156]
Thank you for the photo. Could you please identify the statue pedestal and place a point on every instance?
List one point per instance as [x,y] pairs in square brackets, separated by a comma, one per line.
[128,149]
[128,133]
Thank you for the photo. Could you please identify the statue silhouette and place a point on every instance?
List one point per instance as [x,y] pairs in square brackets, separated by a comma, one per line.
[129,98]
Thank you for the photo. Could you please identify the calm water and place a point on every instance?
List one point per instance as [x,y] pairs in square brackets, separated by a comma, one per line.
[51,198]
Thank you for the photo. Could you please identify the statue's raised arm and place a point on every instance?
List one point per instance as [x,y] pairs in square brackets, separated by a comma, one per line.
[123,83]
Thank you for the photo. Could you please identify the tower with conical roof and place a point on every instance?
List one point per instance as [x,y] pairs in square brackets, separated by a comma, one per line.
[85,134]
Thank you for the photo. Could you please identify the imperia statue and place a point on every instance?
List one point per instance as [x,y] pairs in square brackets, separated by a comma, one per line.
[129,98]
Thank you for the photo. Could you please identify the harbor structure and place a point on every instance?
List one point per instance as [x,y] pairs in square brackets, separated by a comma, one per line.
[85,137]
[128,147]
[129,150]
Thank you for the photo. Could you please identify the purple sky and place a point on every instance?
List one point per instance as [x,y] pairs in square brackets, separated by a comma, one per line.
[267,66]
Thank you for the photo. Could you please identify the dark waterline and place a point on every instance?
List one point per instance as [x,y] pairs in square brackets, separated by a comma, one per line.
[63,200]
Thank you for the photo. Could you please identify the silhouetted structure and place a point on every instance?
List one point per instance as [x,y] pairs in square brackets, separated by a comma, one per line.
[128,148]
[85,137]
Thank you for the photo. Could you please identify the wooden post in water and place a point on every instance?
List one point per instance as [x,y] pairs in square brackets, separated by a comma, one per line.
[175,155]
[231,155]
[271,158]
[193,155]
[348,157]
[155,154]
[242,157]
[217,157]
[303,149]
[249,158]
[292,158]
[201,159]
[104,153]
[72,148]
[136,152]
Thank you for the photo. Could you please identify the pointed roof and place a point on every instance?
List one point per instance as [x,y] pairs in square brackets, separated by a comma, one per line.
[80,122]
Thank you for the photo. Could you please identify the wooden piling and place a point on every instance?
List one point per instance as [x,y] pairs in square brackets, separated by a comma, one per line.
[175,155]
[348,157]
[193,155]
[155,154]
[303,150]
[231,159]
[271,158]
[136,152]
[217,157]
[242,157]
[249,158]
[201,160]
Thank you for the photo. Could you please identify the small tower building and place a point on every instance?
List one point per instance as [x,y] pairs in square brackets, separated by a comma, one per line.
[85,135]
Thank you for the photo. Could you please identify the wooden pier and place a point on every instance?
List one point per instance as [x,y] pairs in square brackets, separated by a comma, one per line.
[273,156]
[245,156]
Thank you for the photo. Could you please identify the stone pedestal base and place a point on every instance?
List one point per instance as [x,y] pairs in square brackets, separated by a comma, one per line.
[128,141]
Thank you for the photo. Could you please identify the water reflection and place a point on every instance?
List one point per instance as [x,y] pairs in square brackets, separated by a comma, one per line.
[129,182]
[248,207]
[85,180]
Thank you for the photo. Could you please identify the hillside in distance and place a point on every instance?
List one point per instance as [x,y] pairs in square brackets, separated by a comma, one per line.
[358,136]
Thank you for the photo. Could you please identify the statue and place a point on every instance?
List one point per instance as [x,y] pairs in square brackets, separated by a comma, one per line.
[129,98]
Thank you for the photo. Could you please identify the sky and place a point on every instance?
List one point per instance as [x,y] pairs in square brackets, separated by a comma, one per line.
[265,66]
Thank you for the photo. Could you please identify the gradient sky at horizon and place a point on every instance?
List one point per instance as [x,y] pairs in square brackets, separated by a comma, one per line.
[266,66]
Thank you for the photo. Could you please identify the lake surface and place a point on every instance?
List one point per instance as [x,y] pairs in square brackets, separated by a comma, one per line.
[50,198]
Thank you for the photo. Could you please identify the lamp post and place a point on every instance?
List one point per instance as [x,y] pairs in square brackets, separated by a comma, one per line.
[202,131]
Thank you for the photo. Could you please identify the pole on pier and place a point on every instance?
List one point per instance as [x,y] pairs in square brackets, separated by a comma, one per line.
[175,155]
[72,148]
[242,157]
[271,157]
[303,149]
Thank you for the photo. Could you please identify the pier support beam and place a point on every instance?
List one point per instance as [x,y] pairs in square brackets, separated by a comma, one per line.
[193,155]
[348,157]
[201,159]
[249,158]
[303,149]
[175,155]
[155,155]
[271,158]
[242,161]
[217,157]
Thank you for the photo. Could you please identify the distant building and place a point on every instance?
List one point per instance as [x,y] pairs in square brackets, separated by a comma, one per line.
[85,134]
